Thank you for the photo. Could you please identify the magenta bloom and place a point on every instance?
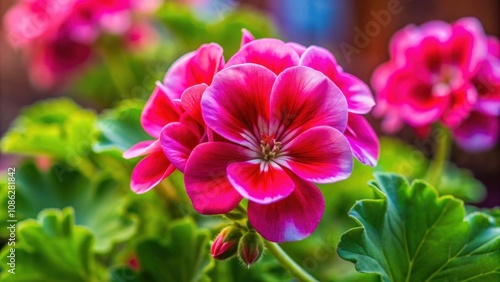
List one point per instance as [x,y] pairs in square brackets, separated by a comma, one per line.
[279,133]
[275,119]
[173,112]
[55,58]
[58,37]
[442,73]
[278,56]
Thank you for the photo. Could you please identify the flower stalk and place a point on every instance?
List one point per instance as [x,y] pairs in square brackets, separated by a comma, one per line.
[287,263]
[441,156]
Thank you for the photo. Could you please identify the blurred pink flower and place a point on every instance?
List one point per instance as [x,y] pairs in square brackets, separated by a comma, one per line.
[442,73]
[173,112]
[139,36]
[90,17]
[56,58]
[271,152]
[58,36]
[32,19]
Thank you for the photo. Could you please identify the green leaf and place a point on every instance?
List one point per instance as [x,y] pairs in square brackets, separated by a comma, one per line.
[57,128]
[53,249]
[182,257]
[98,202]
[120,128]
[410,234]
[191,31]
[123,274]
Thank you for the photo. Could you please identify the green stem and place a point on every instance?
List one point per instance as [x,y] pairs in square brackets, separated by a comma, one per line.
[287,263]
[441,155]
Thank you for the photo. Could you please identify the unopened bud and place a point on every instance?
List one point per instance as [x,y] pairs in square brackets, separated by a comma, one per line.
[250,248]
[226,243]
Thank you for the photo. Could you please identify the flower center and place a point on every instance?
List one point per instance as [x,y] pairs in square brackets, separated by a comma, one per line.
[446,80]
[269,147]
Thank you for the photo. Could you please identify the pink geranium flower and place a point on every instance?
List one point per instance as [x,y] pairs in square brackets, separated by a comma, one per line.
[249,129]
[173,112]
[55,58]
[278,56]
[58,36]
[31,19]
[279,133]
[442,73]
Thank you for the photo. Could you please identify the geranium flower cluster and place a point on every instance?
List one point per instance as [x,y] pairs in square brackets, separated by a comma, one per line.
[58,36]
[265,126]
[446,73]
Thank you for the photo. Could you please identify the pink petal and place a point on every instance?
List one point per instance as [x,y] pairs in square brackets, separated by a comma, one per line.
[358,95]
[178,139]
[303,98]
[468,45]
[322,159]
[487,83]
[363,140]
[206,180]
[319,59]
[381,75]
[300,49]
[270,53]
[414,94]
[193,68]
[392,121]
[494,46]
[462,102]
[142,148]
[150,171]
[430,54]
[401,41]
[478,133]
[191,101]
[246,37]
[409,44]
[291,219]
[236,105]
[158,112]
[117,22]
[260,181]
[489,105]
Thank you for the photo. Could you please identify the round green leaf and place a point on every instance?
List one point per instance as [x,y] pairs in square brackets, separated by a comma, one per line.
[410,234]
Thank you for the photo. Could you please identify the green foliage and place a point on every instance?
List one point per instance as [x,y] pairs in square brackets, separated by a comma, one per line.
[122,274]
[191,32]
[99,204]
[57,128]
[120,127]
[408,233]
[53,249]
[181,257]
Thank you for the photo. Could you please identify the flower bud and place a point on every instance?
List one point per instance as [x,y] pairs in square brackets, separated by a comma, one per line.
[226,243]
[250,248]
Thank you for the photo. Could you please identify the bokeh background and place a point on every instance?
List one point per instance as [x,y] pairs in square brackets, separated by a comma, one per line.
[356,31]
